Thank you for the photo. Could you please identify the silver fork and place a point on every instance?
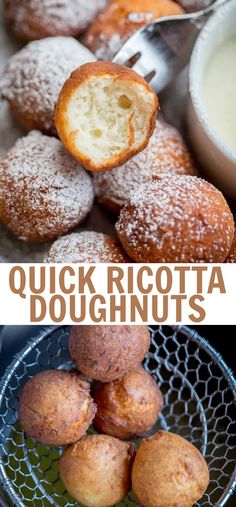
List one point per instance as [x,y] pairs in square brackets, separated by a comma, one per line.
[160,50]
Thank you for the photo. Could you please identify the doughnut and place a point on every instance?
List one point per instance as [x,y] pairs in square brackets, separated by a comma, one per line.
[232,254]
[120,19]
[55,407]
[33,77]
[105,114]
[44,191]
[36,19]
[165,153]
[128,407]
[96,471]
[87,246]
[168,471]
[176,219]
[107,353]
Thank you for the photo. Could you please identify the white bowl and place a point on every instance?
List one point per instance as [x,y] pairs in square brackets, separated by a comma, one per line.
[217,159]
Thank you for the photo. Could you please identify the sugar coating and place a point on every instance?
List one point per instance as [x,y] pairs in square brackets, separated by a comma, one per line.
[87,246]
[34,76]
[51,17]
[44,192]
[165,153]
[176,219]
[232,254]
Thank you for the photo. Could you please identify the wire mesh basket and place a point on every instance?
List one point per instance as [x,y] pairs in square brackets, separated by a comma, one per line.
[199,393]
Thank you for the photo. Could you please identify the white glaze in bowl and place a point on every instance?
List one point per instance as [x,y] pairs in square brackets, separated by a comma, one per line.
[216,157]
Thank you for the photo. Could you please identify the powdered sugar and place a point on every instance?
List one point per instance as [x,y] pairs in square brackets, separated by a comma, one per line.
[165,153]
[176,219]
[87,246]
[43,190]
[51,17]
[34,76]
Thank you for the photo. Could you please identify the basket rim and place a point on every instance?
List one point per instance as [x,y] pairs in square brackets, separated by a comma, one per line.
[185,330]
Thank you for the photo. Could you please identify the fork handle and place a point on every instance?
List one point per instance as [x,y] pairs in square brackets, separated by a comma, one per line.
[199,18]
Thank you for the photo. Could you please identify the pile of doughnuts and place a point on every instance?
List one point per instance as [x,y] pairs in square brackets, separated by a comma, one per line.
[110,389]
[112,149]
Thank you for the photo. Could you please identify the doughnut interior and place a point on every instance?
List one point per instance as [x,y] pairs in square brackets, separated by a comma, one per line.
[104,118]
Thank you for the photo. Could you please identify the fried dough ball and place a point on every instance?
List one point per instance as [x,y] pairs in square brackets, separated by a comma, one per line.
[168,471]
[165,153]
[96,470]
[36,19]
[33,77]
[44,191]
[55,407]
[106,353]
[120,19]
[176,219]
[87,246]
[232,254]
[105,114]
[127,407]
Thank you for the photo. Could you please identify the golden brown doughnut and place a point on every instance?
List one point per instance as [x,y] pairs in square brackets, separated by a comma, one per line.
[120,19]
[176,219]
[106,353]
[105,114]
[168,471]
[127,407]
[36,19]
[55,407]
[232,254]
[165,153]
[96,471]
[33,77]
[44,191]
[87,246]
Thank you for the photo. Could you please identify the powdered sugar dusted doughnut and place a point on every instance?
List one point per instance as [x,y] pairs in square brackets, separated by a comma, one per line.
[87,246]
[33,77]
[165,153]
[44,192]
[120,19]
[36,19]
[176,219]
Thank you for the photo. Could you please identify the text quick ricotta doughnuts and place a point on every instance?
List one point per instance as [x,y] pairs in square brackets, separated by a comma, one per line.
[120,19]
[165,153]
[44,192]
[106,353]
[36,19]
[33,77]
[96,471]
[168,471]
[87,246]
[55,407]
[176,219]
[127,407]
[105,114]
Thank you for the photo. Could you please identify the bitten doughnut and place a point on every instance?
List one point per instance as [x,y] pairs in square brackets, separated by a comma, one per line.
[36,19]
[127,407]
[87,246]
[105,114]
[44,191]
[106,353]
[165,153]
[168,471]
[232,254]
[120,19]
[55,407]
[176,219]
[33,77]
[96,471]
